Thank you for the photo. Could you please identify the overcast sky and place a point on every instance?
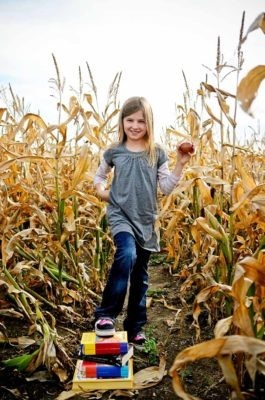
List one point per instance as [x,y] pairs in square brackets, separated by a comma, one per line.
[149,41]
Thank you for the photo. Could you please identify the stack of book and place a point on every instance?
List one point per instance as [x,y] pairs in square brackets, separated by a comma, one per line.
[104,362]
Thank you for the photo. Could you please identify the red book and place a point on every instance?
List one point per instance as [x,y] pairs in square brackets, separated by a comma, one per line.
[90,369]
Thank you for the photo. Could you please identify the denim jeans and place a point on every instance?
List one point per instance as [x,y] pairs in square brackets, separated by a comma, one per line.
[129,269]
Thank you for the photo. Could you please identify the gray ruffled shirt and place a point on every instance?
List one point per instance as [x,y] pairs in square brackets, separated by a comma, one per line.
[133,194]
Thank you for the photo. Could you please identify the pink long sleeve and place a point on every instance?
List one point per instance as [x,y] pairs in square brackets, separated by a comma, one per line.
[167,180]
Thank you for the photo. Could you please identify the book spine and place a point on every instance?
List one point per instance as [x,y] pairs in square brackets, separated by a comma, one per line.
[105,348]
[95,370]
[108,359]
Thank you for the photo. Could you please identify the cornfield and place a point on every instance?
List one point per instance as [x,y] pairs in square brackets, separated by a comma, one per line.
[55,243]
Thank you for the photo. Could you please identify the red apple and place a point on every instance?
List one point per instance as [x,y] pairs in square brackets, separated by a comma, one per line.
[186,147]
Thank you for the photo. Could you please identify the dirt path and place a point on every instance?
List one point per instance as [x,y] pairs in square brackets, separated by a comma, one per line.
[171,325]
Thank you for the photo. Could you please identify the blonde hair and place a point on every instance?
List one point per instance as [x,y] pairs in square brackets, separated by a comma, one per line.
[130,106]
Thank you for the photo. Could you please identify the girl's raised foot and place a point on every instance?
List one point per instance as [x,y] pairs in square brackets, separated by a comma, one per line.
[104,327]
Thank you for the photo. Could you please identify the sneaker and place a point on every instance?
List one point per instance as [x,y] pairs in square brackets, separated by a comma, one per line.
[138,340]
[104,327]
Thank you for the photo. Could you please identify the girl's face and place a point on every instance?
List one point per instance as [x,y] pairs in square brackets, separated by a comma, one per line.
[134,126]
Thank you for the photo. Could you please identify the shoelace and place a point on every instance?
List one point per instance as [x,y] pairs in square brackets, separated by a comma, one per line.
[140,336]
[104,321]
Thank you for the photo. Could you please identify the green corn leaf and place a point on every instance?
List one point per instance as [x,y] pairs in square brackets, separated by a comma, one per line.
[260,333]
[20,362]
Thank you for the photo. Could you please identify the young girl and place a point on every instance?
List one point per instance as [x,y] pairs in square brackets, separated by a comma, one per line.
[139,165]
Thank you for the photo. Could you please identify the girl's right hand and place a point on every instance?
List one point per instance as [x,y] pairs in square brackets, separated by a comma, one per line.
[185,151]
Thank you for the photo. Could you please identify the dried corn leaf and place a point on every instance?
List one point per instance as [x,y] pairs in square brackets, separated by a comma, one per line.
[212,89]
[9,247]
[240,285]
[61,144]
[215,180]
[209,266]
[229,372]
[31,118]
[149,301]
[164,302]
[82,166]
[92,200]
[59,371]
[202,297]
[193,120]
[225,108]
[203,224]
[6,164]
[222,327]
[205,192]
[169,200]
[150,376]
[210,112]
[261,366]
[51,128]
[248,181]
[10,313]
[107,120]
[172,226]
[222,349]
[254,270]
[179,389]
[251,364]
[261,254]
[87,131]
[177,133]
[238,344]
[22,341]
[2,111]
[241,318]
[250,196]
[43,217]
[248,87]
[80,171]
[73,105]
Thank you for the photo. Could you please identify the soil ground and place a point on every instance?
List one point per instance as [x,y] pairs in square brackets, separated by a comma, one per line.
[168,323]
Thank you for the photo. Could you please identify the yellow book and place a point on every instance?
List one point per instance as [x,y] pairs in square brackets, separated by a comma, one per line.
[93,344]
[84,384]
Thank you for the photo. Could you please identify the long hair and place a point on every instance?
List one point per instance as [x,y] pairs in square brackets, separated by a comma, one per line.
[132,105]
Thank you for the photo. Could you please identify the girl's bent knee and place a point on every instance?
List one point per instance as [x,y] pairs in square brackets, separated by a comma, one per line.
[127,255]
[125,248]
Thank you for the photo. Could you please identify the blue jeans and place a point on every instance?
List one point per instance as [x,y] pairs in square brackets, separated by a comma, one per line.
[129,267]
